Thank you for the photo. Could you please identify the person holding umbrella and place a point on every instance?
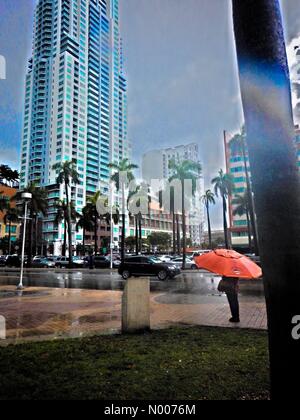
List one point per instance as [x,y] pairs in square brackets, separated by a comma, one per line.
[230,286]
[232,266]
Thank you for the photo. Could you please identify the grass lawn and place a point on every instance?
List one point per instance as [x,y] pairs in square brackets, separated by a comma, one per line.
[178,363]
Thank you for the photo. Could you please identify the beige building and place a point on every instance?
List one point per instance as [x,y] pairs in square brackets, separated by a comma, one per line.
[8,192]
[155,166]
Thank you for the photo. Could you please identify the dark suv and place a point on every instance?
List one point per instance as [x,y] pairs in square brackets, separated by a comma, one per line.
[2,260]
[13,261]
[147,266]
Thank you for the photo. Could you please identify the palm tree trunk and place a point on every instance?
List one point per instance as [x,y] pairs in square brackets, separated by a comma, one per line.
[225,223]
[140,233]
[29,257]
[9,238]
[83,241]
[183,226]
[266,95]
[96,234]
[136,235]
[69,223]
[65,239]
[36,235]
[209,226]
[174,232]
[123,225]
[178,235]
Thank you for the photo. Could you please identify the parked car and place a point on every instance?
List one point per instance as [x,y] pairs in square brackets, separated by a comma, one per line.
[198,253]
[147,266]
[37,257]
[166,258]
[2,260]
[116,263]
[42,263]
[189,264]
[79,262]
[63,262]
[101,262]
[13,261]
[52,258]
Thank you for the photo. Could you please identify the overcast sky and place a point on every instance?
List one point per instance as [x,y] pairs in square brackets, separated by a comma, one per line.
[181,69]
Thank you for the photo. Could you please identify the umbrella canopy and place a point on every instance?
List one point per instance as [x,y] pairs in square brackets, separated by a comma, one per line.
[229,263]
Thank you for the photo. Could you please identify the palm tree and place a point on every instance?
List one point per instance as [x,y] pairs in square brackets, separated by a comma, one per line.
[239,143]
[61,212]
[8,175]
[266,95]
[171,205]
[61,216]
[135,198]
[11,216]
[135,217]
[92,212]
[243,208]
[85,224]
[67,176]
[122,176]
[208,198]
[4,173]
[223,185]
[38,205]
[184,171]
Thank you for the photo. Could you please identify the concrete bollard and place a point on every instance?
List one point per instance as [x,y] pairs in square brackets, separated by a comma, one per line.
[136,305]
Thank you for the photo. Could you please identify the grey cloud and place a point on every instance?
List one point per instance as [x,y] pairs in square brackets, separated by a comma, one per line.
[9,156]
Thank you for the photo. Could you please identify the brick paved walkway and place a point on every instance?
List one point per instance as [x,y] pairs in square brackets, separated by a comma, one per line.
[44,313]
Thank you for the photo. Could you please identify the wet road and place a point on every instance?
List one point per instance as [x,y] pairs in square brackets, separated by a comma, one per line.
[188,286]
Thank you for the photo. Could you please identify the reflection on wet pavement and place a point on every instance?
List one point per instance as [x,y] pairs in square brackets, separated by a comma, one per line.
[74,304]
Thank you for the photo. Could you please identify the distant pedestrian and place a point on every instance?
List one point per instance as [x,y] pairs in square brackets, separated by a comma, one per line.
[230,286]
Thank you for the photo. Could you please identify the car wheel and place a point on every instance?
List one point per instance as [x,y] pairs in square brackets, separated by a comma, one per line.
[162,275]
[194,267]
[126,274]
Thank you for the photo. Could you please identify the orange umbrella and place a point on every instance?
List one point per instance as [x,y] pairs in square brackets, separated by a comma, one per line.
[229,263]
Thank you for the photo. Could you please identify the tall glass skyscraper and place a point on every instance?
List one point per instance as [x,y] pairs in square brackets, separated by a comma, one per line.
[75,99]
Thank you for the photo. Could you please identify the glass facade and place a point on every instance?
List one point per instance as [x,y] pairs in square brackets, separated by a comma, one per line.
[75,99]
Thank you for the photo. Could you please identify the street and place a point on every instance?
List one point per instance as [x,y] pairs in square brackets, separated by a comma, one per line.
[196,283]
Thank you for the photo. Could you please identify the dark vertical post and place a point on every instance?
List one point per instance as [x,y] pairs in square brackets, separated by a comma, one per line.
[265,87]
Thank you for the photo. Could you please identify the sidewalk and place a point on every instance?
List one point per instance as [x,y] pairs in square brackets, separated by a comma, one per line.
[45,313]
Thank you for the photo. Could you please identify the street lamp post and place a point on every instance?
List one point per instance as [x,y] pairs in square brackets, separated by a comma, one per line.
[26,197]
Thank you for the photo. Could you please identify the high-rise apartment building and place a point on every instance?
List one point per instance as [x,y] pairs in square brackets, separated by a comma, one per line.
[155,165]
[75,100]
[235,165]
